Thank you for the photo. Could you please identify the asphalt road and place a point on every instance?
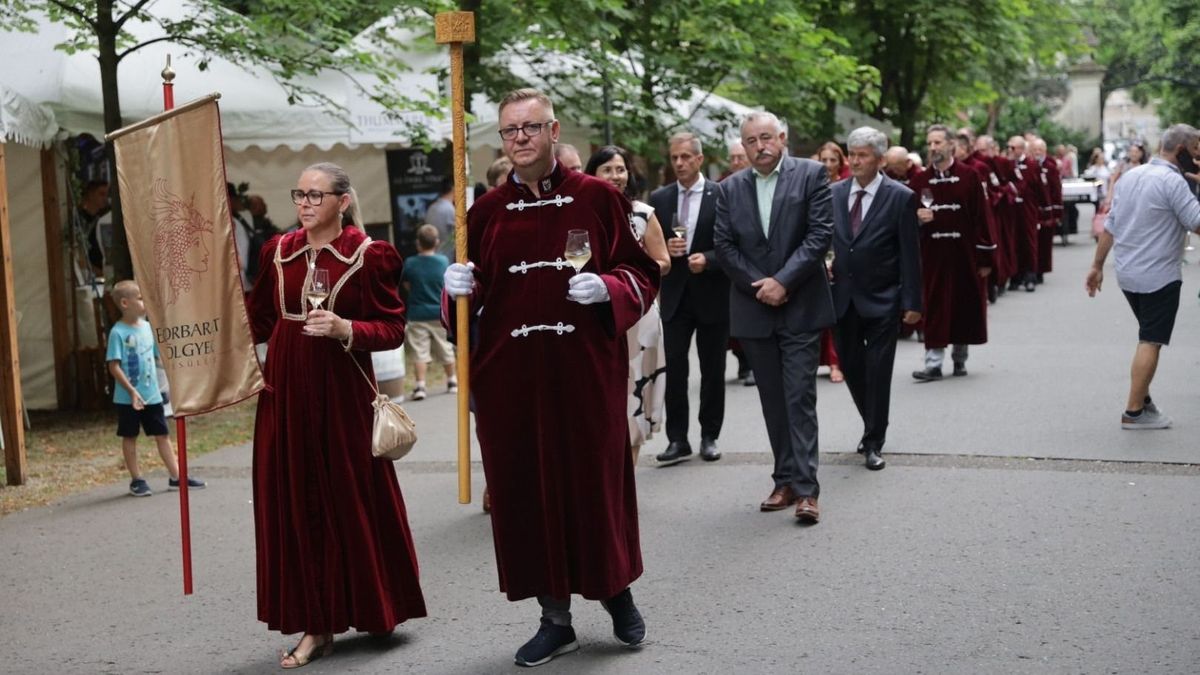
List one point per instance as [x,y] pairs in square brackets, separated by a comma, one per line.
[1016,529]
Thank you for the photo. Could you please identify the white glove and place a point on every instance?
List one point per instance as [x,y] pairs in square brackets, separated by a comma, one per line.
[459,280]
[587,289]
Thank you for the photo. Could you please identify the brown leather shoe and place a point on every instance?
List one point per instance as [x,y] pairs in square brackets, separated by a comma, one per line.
[807,511]
[487,500]
[780,499]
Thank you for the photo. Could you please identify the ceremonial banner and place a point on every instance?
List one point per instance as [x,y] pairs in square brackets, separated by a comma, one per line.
[171,173]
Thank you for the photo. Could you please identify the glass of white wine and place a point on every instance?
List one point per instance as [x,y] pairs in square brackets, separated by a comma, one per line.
[927,197]
[579,249]
[679,228]
[319,288]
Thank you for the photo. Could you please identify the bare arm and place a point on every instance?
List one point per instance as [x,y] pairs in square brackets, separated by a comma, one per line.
[656,245]
[1095,276]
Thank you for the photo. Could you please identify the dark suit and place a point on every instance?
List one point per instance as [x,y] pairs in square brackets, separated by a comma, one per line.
[694,303]
[781,342]
[876,277]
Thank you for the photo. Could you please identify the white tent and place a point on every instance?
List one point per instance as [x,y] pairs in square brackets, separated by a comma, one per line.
[47,93]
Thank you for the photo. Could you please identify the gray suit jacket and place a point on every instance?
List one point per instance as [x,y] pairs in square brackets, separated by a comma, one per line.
[880,268]
[792,251]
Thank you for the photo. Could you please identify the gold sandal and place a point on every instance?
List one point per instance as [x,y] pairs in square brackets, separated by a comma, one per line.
[298,661]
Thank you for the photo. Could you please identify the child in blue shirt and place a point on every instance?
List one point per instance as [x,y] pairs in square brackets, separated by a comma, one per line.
[132,357]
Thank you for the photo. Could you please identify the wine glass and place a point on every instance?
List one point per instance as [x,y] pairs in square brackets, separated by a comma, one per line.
[679,227]
[318,290]
[927,197]
[579,249]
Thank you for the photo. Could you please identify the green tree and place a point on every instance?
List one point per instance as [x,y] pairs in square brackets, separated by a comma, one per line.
[1150,46]
[937,57]
[288,39]
[628,68]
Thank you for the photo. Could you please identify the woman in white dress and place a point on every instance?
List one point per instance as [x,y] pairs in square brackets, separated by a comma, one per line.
[647,355]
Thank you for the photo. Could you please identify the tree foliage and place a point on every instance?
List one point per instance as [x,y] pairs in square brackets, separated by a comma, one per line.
[1151,47]
[634,67]
[938,57]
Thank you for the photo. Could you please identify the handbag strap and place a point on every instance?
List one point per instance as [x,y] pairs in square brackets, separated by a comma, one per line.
[364,374]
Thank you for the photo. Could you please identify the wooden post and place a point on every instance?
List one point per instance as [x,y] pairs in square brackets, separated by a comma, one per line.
[455,28]
[12,416]
[59,323]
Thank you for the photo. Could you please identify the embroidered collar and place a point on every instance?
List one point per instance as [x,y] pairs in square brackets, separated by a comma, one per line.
[344,247]
[547,183]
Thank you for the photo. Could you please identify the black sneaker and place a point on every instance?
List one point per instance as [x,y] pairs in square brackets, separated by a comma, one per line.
[628,626]
[550,641]
[193,484]
[138,487]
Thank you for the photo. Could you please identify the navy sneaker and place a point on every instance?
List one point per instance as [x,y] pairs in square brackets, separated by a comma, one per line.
[628,626]
[138,487]
[550,641]
[193,484]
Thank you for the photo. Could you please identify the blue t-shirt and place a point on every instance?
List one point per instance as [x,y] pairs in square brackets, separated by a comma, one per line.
[424,273]
[134,347]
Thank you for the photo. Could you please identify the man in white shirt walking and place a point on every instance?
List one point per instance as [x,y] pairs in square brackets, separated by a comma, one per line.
[1152,209]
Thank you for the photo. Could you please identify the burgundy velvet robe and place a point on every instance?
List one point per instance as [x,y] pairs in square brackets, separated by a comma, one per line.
[1000,263]
[1052,214]
[331,532]
[549,379]
[1031,195]
[953,248]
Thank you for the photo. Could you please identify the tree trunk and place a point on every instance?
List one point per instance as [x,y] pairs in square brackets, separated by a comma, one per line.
[106,38]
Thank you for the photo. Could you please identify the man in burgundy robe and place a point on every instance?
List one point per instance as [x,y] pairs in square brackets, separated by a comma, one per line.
[956,256]
[1052,211]
[898,165]
[549,373]
[963,153]
[1031,194]
[1001,199]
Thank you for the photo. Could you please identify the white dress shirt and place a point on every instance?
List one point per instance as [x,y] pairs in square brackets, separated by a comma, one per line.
[695,194]
[868,197]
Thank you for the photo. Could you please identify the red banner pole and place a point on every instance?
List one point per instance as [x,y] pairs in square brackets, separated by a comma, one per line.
[185,520]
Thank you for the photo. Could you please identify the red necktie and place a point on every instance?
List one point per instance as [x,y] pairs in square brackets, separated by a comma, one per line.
[856,213]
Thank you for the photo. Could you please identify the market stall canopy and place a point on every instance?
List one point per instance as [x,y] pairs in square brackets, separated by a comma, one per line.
[255,111]
[23,121]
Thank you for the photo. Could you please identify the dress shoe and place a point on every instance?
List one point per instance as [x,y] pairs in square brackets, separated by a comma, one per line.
[780,499]
[927,375]
[873,461]
[992,293]
[487,500]
[749,381]
[960,370]
[677,451]
[708,450]
[807,511]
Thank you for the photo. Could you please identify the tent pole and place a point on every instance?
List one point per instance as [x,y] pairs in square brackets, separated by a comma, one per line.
[11,404]
[52,217]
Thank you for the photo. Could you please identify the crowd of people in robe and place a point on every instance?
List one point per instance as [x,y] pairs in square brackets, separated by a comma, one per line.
[590,300]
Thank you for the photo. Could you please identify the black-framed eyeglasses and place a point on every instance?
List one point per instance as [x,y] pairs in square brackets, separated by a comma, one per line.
[314,197]
[531,129]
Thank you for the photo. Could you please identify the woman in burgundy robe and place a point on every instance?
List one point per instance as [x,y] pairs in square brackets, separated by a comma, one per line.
[331,533]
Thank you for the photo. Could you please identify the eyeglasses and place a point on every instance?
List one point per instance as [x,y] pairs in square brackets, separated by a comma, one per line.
[1014,147]
[314,197]
[531,129]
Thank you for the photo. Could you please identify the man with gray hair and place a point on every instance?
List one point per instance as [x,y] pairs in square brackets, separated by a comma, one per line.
[876,280]
[1152,209]
[773,229]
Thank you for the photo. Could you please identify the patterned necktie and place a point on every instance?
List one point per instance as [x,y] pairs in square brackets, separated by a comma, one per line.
[856,212]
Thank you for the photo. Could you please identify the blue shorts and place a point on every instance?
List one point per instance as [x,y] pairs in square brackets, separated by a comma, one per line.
[149,418]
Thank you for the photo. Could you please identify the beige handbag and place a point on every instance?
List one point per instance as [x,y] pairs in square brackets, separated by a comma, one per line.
[393,433]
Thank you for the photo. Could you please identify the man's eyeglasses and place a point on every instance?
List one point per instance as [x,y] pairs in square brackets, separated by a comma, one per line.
[1013,147]
[532,129]
[314,197]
